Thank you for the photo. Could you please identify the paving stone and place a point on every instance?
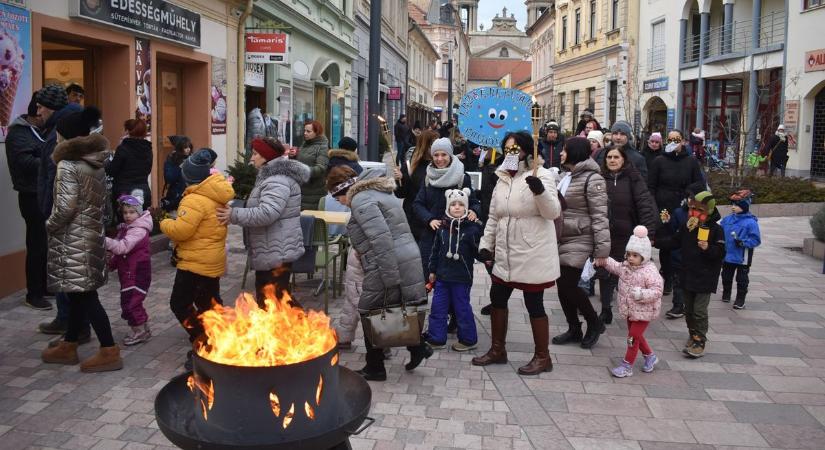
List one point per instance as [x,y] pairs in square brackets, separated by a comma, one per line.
[805,385]
[791,436]
[721,433]
[587,425]
[652,445]
[595,444]
[706,380]
[738,396]
[596,404]
[771,413]
[668,408]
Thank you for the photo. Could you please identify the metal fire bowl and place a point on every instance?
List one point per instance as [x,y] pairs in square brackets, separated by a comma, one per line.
[175,412]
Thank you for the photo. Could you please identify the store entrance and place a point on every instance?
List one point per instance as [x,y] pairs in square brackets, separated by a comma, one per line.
[168,114]
[67,63]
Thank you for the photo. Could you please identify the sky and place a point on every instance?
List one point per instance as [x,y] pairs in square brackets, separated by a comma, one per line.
[487,9]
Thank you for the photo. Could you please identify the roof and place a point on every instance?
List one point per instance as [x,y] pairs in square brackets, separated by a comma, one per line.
[494,69]
[417,14]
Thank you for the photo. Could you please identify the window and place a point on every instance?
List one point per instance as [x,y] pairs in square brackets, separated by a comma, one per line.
[575,109]
[542,10]
[564,33]
[578,27]
[689,105]
[591,99]
[592,19]
[614,14]
[561,109]
[612,100]
[813,3]
[445,66]
[504,53]
[656,54]
[465,18]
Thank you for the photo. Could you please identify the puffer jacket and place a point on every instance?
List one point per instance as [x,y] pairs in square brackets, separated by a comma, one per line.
[200,240]
[379,232]
[586,231]
[645,277]
[636,159]
[130,168]
[520,230]
[131,255]
[669,176]
[23,146]
[272,216]
[700,269]
[353,283]
[314,153]
[741,232]
[77,256]
[629,204]
[455,238]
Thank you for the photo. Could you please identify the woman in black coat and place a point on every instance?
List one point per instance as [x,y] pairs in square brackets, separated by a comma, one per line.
[132,164]
[629,204]
[413,171]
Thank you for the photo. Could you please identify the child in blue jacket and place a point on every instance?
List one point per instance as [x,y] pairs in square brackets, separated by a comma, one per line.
[741,237]
[454,250]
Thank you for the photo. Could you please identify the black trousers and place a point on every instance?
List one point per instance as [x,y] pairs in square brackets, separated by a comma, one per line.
[278,277]
[375,355]
[742,280]
[36,244]
[573,298]
[533,301]
[83,305]
[192,294]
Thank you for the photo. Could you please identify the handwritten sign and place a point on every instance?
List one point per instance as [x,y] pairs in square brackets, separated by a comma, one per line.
[487,114]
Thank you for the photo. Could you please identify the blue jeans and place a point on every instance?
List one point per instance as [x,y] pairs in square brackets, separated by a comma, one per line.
[454,296]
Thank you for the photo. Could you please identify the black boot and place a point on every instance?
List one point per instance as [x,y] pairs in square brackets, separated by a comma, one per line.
[374,370]
[739,303]
[606,316]
[594,331]
[573,334]
[485,311]
[726,291]
[418,354]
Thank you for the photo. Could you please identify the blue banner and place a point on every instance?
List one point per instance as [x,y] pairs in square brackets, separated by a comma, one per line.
[487,114]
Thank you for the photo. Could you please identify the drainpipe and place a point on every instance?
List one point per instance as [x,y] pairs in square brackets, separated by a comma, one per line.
[683,25]
[700,82]
[753,80]
[241,70]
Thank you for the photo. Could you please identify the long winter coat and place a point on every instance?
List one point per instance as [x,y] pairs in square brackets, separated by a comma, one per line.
[131,254]
[200,240]
[519,229]
[778,149]
[646,277]
[745,226]
[700,269]
[408,189]
[586,231]
[669,176]
[23,146]
[389,255]
[272,216]
[314,153]
[130,168]
[175,184]
[629,204]
[637,159]
[77,257]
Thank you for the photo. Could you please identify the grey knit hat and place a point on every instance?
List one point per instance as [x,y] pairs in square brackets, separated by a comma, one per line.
[622,126]
[53,97]
[196,167]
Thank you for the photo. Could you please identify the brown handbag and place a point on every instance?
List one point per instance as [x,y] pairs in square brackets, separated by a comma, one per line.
[398,326]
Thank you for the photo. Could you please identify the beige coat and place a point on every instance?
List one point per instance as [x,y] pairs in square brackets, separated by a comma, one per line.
[520,230]
[586,231]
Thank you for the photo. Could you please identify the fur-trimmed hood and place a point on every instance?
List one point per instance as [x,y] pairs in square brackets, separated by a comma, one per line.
[371,180]
[93,149]
[291,168]
[349,155]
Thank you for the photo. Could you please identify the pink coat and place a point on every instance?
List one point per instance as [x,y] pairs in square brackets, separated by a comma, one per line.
[131,256]
[644,303]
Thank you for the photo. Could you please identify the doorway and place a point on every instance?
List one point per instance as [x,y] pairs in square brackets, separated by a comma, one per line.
[169,114]
[322,108]
[66,63]
[818,141]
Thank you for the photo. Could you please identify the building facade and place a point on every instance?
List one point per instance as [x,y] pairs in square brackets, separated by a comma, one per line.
[595,53]
[542,52]
[502,41]
[393,72]
[423,57]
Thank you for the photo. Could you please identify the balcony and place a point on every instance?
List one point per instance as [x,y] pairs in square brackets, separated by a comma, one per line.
[656,58]
[734,40]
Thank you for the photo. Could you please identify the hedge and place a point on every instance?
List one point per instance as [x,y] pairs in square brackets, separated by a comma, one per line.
[766,189]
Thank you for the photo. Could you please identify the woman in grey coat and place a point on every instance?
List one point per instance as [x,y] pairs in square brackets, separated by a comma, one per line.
[379,232]
[272,217]
[585,234]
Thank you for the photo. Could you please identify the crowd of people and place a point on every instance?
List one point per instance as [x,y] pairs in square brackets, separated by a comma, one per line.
[588,207]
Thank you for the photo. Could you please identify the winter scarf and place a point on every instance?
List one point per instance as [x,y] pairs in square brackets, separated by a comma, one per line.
[450,176]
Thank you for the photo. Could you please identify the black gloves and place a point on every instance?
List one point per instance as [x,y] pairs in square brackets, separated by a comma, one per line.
[485,255]
[535,185]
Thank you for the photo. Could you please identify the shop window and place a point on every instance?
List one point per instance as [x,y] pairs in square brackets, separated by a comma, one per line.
[65,64]
[302,112]
[689,105]
[813,3]
[723,115]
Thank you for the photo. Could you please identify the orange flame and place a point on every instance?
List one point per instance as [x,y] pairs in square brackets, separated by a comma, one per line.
[334,360]
[277,335]
[309,411]
[205,394]
[289,415]
[276,404]
[319,390]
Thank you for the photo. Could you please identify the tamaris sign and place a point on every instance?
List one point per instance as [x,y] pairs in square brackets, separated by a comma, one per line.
[267,48]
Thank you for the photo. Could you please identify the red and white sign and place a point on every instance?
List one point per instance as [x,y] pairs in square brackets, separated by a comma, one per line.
[394,93]
[267,48]
[815,60]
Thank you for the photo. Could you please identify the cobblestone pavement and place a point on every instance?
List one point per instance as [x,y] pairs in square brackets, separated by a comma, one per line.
[761,383]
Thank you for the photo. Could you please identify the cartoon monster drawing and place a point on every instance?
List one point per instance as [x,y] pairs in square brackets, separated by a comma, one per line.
[487,114]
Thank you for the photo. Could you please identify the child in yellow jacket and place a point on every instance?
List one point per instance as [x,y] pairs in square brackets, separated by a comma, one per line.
[200,242]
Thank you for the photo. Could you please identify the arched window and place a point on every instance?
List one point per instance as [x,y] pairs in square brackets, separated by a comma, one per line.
[504,53]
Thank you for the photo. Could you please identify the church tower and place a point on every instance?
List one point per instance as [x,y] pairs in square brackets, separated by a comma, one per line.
[535,8]
[468,11]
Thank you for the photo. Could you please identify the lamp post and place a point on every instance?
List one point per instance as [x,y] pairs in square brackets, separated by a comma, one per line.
[450,84]
[536,118]
[374,65]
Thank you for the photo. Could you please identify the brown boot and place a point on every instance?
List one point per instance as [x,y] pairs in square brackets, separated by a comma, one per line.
[105,360]
[497,354]
[541,361]
[62,353]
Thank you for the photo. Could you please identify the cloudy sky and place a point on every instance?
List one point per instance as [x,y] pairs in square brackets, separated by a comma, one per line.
[487,9]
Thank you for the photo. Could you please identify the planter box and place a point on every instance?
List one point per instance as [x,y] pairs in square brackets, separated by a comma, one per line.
[778,209]
[813,247]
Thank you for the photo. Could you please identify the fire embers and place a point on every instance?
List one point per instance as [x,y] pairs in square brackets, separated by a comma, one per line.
[277,335]
[204,393]
[275,403]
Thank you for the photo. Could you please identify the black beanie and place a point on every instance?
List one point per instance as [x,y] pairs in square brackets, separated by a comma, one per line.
[53,97]
[31,111]
[348,143]
[78,123]
[196,167]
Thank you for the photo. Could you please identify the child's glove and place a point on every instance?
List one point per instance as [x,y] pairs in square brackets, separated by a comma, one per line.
[485,255]
[637,293]
[535,185]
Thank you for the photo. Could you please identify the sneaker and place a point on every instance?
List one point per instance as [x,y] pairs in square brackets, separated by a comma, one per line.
[650,363]
[38,303]
[139,335]
[622,370]
[436,345]
[739,303]
[697,348]
[676,312]
[461,347]
[485,311]
[53,327]
[738,306]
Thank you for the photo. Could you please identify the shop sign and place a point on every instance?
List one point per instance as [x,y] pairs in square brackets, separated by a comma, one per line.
[143,77]
[254,75]
[655,84]
[156,18]
[267,48]
[394,93]
[218,115]
[671,118]
[791,121]
[815,60]
[17,3]
[15,68]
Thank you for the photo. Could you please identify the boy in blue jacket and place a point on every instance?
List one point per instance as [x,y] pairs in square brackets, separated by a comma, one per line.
[741,237]
[455,248]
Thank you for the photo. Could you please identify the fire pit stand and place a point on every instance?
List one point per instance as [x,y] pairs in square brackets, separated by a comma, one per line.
[315,404]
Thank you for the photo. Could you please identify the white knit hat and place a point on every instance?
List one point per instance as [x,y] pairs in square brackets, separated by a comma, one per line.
[441,145]
[639,242]
[458,195]
[598,136]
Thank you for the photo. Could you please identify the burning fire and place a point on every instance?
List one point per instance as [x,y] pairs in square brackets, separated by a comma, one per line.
[278,335]
[205,394]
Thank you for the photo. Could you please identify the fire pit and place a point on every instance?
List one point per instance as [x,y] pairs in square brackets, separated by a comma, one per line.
[265,379]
